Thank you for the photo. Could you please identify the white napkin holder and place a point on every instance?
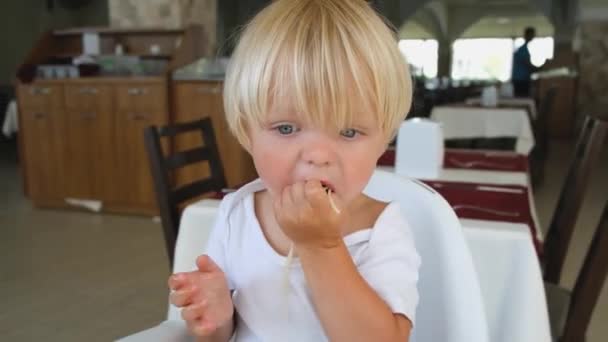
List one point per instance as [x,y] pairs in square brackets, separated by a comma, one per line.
[419,152]
[489,97]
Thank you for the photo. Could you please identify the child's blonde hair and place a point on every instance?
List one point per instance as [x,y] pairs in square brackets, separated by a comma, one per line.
[323,56]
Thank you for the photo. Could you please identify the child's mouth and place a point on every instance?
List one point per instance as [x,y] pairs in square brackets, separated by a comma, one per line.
[327,186]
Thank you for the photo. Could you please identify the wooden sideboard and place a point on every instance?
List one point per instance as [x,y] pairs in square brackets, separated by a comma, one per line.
[81,138]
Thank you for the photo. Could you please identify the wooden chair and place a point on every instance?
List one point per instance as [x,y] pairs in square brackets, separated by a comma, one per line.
[570,312]
[587,153]
[169,198]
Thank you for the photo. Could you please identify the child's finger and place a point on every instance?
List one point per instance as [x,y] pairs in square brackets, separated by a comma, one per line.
[296,193]
[181,297]
[286,201]
[194,312]
[176,281]
[316,194]
[206,264]
[313,190]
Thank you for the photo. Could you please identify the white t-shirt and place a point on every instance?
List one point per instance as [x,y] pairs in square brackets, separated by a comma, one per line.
[270,310]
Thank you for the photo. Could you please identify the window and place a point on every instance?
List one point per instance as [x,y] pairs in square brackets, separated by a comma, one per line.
[492,58]
[422,55]
[484,58]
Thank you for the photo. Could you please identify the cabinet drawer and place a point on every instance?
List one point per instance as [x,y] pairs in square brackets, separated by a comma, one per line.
[41,96]
[149,117]
[198,98]
[141,97]
[88,96]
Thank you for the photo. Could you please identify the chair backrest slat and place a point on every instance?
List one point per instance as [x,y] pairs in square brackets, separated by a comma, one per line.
[183,158]
[182,127]
[194,189]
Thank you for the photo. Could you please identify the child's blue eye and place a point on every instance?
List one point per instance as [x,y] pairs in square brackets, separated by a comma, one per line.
[285,129]
[349,133]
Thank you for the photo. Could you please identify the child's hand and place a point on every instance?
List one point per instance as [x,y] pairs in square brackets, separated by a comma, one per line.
[305,214]
[203,296]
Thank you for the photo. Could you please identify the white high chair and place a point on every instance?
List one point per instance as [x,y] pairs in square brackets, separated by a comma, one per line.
[450,307]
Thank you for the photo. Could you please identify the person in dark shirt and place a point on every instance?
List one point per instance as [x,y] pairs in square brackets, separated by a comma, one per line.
[522,66]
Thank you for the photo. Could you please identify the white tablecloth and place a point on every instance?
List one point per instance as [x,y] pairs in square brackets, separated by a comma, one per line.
[510,280]
[510,101]
[465,122]
[508,270]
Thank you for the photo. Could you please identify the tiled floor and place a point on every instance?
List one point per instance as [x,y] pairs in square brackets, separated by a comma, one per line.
[70,276]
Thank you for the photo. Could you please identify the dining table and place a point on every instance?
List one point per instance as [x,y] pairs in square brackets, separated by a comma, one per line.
[527,103]
[468,122]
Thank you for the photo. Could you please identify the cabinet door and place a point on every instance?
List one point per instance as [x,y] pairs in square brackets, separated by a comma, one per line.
[44,151]
[91,154]
[133,176]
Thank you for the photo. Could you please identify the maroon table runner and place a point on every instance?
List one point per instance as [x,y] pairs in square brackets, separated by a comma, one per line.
[387,158]
[473,159]
[489,202]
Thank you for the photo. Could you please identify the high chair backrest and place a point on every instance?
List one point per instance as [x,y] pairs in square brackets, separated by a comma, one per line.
[191,243]
[450,307]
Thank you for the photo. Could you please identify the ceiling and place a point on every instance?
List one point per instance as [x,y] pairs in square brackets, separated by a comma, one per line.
[452,19]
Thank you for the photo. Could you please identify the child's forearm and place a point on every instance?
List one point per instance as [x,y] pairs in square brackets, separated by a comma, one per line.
[349,309]
[223,334]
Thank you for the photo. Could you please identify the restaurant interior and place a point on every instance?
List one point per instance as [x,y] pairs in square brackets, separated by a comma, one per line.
[115,154]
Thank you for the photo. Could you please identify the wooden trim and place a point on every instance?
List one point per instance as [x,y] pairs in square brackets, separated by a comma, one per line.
[103,79]
[113,30]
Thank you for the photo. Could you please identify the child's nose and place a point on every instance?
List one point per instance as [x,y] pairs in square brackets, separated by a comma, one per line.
[318,156]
